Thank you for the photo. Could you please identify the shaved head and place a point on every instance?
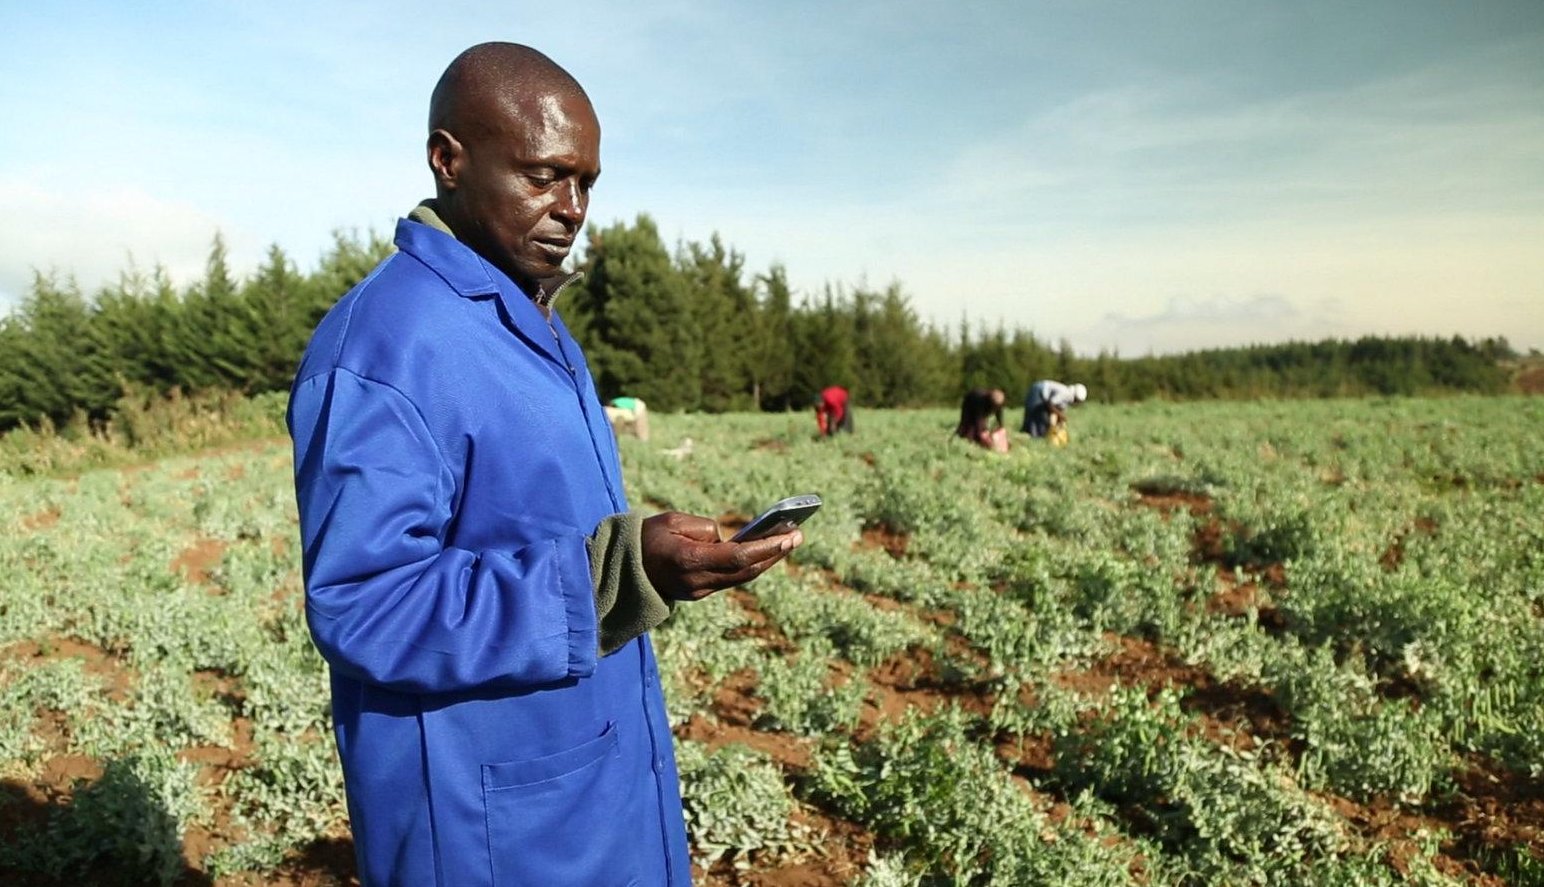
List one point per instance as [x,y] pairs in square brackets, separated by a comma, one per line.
[514,146]
[494,77]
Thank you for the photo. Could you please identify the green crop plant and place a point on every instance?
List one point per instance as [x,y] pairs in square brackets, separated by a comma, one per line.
[57,685]
[888,871]
[163,711]
[806,609]
[1388,749]
[736,803]
[129,824]
[294,791]
[955,810]
[803,696]
[1233,819]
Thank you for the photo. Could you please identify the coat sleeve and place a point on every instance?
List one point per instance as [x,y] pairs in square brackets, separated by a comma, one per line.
[387,601]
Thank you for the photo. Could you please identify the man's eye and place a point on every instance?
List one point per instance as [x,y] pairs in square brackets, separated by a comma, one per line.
[542,177]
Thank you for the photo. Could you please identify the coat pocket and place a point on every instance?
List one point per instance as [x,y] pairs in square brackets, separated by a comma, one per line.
[566,818]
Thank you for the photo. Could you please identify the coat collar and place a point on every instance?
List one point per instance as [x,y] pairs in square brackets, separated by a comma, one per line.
[425,237]
[481,279]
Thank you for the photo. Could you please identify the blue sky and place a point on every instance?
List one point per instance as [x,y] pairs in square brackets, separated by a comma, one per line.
[1139,177]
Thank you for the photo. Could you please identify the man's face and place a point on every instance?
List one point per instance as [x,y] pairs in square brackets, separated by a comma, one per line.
[523,184]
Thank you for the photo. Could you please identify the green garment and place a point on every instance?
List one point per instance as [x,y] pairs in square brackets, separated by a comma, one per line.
[626,604]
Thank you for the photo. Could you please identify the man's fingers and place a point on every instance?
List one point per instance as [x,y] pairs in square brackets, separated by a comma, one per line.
[732,557]
[694,527]
[772,546]
[703,584]
[685,559]
[698,529]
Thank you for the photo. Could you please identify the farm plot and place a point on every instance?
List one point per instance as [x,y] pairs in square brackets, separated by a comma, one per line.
[1287,643]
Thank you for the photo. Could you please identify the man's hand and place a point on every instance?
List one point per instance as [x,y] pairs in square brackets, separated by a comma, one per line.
[686,561]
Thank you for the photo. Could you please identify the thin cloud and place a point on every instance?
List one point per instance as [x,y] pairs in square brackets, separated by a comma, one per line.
[1215,321]
[95,235]
[1259,309]
[1460,134]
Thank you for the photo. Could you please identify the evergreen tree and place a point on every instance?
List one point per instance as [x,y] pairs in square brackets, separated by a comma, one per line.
[770,347]
[899,365]
[1034,361]
[271,327]
[989,362]
[15,408]
[203,341]
[723,308]
[134,317]
[686,332]
[823,340]
[58,363]
[1104,379]
[644,340]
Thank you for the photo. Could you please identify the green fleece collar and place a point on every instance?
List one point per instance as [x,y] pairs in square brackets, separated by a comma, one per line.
[425,213]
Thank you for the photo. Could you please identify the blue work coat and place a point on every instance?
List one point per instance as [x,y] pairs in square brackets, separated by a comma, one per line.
[451,458]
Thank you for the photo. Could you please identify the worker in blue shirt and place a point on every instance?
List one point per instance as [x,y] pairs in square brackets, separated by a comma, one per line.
[474,578]
[1046,404]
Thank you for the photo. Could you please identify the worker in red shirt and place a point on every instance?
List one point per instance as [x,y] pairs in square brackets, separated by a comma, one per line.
[831,412]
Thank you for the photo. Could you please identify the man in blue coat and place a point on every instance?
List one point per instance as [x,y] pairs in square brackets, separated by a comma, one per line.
[474,578]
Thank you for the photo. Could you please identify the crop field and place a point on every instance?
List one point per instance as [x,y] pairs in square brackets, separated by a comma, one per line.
[1244,643]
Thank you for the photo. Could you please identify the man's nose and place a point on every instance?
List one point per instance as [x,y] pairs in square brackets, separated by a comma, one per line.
[571,203]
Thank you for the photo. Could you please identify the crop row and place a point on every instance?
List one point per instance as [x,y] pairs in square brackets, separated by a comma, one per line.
[1242,643]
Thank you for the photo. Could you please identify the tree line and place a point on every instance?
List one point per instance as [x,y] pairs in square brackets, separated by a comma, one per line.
[684,329]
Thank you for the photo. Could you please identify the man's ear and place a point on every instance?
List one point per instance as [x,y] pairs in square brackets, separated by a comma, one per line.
[446,155]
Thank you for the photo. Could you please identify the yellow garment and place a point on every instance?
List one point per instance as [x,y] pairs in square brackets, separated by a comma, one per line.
[1057,433]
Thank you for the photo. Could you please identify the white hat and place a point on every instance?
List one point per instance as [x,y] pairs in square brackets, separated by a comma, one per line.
[1079,392]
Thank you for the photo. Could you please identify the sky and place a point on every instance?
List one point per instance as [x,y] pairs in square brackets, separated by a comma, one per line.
[1130,177]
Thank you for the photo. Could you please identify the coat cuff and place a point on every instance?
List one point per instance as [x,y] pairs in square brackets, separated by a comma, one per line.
[626,603]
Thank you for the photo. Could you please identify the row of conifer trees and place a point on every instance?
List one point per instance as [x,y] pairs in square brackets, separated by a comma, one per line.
[685,329]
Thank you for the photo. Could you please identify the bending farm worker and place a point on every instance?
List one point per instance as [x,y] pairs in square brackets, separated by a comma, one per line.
[832,413]
[629,415]
[978,408]
[1046,406]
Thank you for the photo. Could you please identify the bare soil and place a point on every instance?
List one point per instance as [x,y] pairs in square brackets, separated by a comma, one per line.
[197,562]
[892,542]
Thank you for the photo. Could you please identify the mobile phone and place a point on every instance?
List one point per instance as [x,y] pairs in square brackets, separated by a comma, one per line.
[782,517]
